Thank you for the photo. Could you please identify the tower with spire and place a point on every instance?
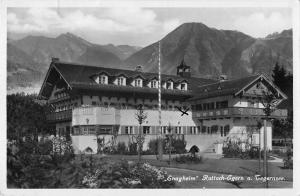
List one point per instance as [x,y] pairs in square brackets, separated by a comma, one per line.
[184,70]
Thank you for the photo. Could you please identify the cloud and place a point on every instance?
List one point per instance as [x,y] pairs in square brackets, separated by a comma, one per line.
[39,20]
[260,24]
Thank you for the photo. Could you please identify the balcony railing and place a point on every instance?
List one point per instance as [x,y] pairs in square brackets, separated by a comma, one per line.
[59,99]
[237,112]
[60,116]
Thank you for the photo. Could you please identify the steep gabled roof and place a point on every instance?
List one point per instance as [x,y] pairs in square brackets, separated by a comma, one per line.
[79,75]
[230,87]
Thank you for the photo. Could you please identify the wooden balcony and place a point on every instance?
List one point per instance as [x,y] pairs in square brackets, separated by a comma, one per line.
[60,116]
[237,112]
[59,99]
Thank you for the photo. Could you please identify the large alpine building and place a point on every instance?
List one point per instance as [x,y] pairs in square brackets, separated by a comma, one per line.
[89,102]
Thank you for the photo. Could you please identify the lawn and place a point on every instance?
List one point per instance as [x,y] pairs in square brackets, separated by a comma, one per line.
[223,166]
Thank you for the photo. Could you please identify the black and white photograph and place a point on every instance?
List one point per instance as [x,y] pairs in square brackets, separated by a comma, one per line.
[149,95]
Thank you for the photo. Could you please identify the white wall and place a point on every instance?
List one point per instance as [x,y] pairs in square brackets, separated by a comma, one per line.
[95,116]
[173,117]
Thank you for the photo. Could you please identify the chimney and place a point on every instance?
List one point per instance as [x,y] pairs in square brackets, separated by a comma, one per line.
[139,68]
[223,78]
[54,59]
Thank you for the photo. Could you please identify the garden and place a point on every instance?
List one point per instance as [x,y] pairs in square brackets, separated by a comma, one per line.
[52,164]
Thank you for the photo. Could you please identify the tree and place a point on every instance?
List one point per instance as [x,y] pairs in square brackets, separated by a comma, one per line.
[279,76]
[283,128]
[284,81]
[141,116]
[25,114]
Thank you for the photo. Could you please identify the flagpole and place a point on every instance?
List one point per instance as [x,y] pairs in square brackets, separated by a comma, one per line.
[160,150]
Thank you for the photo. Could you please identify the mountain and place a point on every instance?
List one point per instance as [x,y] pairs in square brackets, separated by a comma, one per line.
[33,54]
[211,52]
[22,71]
[121,51]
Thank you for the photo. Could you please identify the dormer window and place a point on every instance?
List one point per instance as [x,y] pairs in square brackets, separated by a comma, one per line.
[153,84]
[103,79]
[138,83]
[169,85]
[121,81]
[183,86]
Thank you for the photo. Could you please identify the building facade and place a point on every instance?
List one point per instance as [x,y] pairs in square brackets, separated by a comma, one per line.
[89,102]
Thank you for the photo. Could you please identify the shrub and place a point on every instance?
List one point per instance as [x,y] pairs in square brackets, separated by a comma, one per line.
[233,150]
[132,148]
[179,145]
[193,150]
[121,148]
[40,167]
[153,146]
[288,161]
[147,176]
[188,159]
[123,175]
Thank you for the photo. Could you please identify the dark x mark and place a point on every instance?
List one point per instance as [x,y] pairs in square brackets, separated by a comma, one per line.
[183,112]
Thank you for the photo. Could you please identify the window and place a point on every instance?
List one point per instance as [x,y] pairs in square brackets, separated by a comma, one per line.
[85,131]
[214,129]
[199,129]
[226,129]
[224,104]
[91,131]
[103,79]
[183,86]
[178,130]
[164,129]
[169,85]
[76,131]
[153,84]
[205,106]
[203,129]
[211,106]
[199,107]
[222,131]
[104,130]
[128,130]
[138,83]
[146,130]
[221,104]
[193,130]
[120,81]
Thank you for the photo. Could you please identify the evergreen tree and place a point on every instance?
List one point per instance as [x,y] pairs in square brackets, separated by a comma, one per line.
[25,115]
[279,76]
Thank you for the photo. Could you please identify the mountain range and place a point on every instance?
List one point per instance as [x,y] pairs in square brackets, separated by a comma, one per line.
[209,51]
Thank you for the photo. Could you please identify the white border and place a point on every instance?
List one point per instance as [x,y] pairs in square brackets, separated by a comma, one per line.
[165,3]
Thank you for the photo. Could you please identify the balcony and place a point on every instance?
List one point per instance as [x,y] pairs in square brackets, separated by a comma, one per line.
[60,116]
[55,100]
[237,112]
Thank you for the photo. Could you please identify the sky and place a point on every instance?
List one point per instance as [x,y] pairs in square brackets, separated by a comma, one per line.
[140,26]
